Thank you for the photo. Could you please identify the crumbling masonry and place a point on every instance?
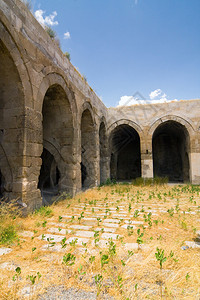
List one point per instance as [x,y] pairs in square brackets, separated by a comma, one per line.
[56,135]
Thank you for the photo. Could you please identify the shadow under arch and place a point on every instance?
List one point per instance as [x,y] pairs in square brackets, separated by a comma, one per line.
[125,153]
[88,147]
[171,148]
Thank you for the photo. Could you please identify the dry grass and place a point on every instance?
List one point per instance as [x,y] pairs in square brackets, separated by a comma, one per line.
[134,275]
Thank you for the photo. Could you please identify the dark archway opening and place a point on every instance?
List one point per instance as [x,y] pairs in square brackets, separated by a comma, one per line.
[125,163]
[57,156]
[171,152]
[103,152]
[49,177]
[88,150]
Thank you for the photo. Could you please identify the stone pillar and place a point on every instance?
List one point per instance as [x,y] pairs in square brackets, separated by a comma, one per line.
[146,165]
[195,168]
[146,158]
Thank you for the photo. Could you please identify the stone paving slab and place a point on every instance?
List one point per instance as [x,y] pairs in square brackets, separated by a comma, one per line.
[82,233]
[58,224]
[112,221]
[192,244]
[4,251]
[56,230]
[112,225]
[101,244]
[8,266]
[26,233]
[107,235]
[134,222]
[55,238]
[131,246]
[112,230]
[80,227]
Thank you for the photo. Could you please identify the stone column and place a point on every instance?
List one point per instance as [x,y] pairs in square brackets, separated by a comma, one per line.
[146,158]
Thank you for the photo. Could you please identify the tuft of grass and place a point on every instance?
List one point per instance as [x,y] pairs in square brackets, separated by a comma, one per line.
[44,211]
[8,234]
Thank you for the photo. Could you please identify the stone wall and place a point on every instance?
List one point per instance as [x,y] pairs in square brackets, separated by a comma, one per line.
[56,134]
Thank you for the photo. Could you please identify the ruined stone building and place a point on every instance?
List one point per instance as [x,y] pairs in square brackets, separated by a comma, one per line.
[57,135]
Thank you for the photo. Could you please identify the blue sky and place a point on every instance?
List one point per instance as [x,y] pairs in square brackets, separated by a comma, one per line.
[128,46]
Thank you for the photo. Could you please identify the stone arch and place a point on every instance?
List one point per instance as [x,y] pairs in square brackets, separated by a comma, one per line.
[183,121]
[58,135]
[171,149]
[10,39]
[125,152]
[14,92]
[103,151]
[89,143]
[55,79]
[126,122]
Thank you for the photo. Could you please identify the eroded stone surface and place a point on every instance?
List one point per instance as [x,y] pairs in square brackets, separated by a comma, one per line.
[4,251]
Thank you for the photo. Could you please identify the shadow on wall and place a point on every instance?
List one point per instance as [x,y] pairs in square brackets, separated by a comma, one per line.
[125,162]
[171,152]
[49,178]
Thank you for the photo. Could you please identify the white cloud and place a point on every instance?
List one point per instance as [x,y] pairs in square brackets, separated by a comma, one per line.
[130,100]
[48,20]
[67,35]
[156,96]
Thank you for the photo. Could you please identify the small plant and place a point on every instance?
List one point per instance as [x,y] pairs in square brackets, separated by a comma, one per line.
[91,259]
[160,256]
[73,242]
[139,238]
[44,211]
[51,242]
[98,281]
[60,219]
[8,234]
[16,279]
[136,213]
[67,54]
[129,230]
[69,259]
[187,277]
[171,211]
[63,244]
[104,260]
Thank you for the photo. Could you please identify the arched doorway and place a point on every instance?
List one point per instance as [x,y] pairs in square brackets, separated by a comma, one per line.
[11,122]
[88,150]
[57,155]
[171,151]
[103,149]
[125,163]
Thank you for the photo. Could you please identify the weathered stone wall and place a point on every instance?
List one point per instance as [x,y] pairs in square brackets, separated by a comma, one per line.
[50,117]
[145,119]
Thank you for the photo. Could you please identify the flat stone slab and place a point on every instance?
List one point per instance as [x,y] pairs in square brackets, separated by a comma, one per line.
[192,244]
[90,219]
[112,221]
[58,224]
[61,231]
[79,240]
[26,233]
[8,266]
[55,248]
[112,230]
[101,244]
[107,235]
[110,225]
[4,251]
[198,233]
[69,217]
[82,233]
[80,227]
[134,222]
[54,238]
[131,246]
